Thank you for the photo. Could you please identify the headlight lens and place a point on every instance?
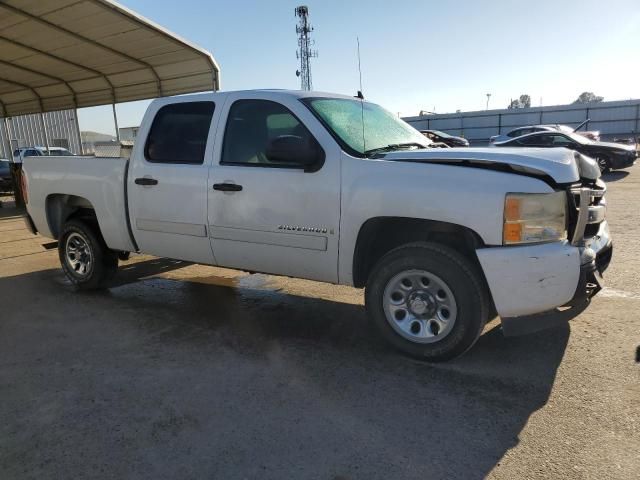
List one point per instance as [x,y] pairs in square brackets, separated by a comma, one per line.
[534,217]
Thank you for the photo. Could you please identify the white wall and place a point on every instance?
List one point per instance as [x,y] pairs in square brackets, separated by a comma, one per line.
[612,119]
[26,130]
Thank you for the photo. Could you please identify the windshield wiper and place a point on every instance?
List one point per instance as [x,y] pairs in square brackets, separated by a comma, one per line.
[394,146]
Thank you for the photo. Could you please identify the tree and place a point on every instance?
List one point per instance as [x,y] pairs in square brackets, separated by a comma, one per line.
[523,102]
[588,97]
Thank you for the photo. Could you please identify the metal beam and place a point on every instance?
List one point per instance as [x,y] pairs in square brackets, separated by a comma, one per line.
[7,134]
[27,87]
[46,75]
[115,121]
[82,38]
[125,12]
[54,97]
[44,131]
[97,73]
[78,132]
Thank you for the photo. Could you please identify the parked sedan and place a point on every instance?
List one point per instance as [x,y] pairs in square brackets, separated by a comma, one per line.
[610,156]
[520,131]
[20,153]
[441,137]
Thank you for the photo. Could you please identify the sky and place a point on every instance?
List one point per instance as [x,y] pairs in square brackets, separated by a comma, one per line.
[415,54]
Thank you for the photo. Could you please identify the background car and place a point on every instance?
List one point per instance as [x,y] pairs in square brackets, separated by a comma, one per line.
[442,137]
[520,131]
[20,153]
[6,182]
[610,156]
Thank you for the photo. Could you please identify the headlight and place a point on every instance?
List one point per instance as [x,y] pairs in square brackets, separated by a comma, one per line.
[534,217]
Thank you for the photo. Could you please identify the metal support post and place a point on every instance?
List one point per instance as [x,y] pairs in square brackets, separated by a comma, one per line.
[77,122]
[44,131]
[7,136]
[115,121]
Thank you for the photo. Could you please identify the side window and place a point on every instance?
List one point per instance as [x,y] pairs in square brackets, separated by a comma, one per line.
[251,127]
[560,141]
[179,133]
[517,132]
[532,141]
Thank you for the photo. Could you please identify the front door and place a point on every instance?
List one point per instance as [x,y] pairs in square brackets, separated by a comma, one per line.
[167,183]
[269,216]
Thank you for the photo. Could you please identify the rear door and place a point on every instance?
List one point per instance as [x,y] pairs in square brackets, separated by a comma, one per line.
[167,181]
[278,218]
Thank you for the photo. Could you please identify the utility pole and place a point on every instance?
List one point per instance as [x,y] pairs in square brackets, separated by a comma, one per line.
[488,97]
[304,52]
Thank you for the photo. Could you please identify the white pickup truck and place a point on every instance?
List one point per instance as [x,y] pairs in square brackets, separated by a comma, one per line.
[336,189]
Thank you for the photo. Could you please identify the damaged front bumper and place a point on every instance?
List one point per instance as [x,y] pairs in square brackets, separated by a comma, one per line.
[595,257]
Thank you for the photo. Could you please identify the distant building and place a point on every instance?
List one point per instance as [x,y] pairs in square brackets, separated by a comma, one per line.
[91,139]
[129,133]
[614,120]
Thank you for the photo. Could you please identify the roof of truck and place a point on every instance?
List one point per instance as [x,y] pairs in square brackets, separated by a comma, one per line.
[273,91]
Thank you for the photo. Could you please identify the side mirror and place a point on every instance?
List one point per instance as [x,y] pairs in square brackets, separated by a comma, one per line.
[291,150]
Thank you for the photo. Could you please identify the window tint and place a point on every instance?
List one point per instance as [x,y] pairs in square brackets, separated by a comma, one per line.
[533,141]
[251,125]
[560,141]
[363,127]
[179,133]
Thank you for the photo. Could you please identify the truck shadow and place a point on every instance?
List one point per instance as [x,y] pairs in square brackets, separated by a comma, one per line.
[315,386]
[615,175]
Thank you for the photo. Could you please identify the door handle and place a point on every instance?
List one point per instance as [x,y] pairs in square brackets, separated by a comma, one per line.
[146,181]
[227,187]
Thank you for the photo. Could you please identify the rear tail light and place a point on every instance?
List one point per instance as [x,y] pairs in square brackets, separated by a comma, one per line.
[24,187]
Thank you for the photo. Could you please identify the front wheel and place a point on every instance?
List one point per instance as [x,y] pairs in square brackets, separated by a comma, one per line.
[603,164]
[85,258]
[427,300]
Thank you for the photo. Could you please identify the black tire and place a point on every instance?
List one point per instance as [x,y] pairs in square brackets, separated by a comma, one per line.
[103,264]
[603,164]
[460,275]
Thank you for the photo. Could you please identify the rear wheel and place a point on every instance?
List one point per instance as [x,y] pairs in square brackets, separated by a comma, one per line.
[427,300]
[85,258]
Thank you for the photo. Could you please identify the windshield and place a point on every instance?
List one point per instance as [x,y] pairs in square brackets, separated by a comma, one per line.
[382,130]
[578,138]
[441,134]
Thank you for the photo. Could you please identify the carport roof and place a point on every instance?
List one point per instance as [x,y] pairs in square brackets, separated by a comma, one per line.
[61,54]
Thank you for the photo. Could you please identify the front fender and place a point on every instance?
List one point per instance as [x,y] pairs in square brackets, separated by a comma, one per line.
[469,197]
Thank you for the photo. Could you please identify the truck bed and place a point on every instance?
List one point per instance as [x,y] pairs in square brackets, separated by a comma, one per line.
[97,182]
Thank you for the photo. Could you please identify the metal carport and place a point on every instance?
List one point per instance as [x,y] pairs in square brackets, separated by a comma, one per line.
[65,54]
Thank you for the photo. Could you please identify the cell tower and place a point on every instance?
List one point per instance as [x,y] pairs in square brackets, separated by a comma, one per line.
[304,52]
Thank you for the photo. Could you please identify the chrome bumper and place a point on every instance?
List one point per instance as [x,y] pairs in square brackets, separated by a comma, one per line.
[587,213]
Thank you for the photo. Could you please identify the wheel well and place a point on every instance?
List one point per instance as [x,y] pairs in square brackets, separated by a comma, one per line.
[380,235]
[62,208]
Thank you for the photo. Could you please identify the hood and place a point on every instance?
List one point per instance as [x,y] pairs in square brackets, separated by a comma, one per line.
[558,163]
[460,140]
[619,146]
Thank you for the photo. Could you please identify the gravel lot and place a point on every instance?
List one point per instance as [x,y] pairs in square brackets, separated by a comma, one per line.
[191,372]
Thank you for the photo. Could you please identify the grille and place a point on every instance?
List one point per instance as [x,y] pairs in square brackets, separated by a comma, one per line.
[586,226]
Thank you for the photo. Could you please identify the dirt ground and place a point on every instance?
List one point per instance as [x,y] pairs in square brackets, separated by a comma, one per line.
[191,372]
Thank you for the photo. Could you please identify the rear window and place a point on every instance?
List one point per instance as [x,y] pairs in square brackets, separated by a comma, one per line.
[179,133]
